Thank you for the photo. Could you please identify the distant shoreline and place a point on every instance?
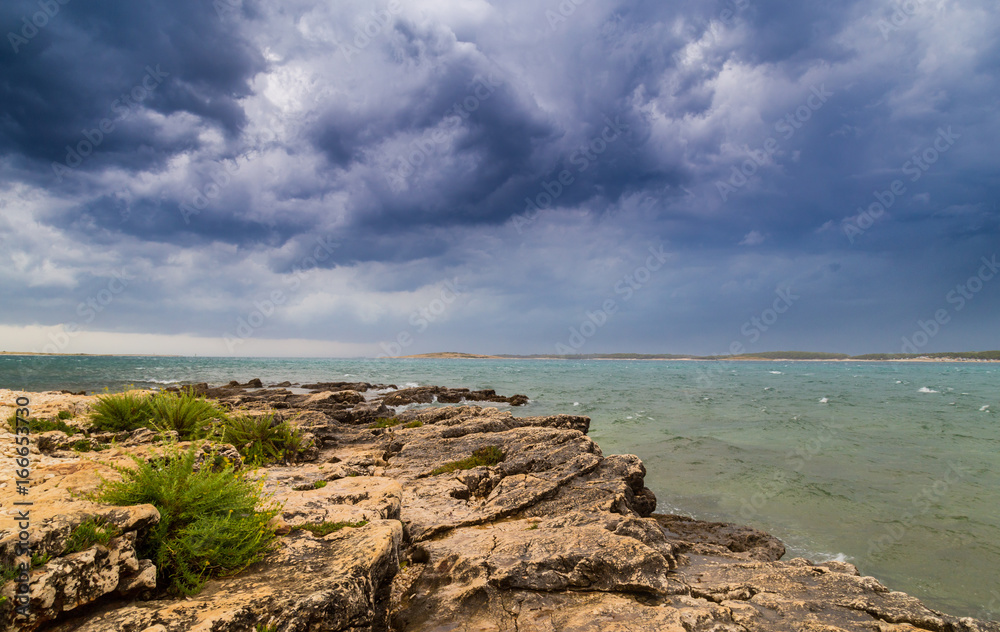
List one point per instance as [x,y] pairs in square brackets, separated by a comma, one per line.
[742,358]
[448,355]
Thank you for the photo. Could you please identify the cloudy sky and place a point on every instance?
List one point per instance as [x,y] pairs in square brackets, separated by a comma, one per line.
[292,177]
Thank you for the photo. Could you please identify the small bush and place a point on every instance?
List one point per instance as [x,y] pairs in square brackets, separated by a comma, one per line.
[189,415]
[414,424]
[210,524]
[86,445]
[45,425]
[386,423]
[64,414]
[40,560]
[8,571]
[120,412]
[326,528]
[319,484]
[490,455]
[260,440]
[87,534]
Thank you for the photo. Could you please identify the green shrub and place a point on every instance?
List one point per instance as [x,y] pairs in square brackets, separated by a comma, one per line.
[40,560]
[189,415]
[64,414]
[86,445]
[414,424]
[210,521]
[44,425]
[260,440]
[319,484]
[326,528]
[8,571]
[490,455]
[386,423]
[120,412]
[87,534]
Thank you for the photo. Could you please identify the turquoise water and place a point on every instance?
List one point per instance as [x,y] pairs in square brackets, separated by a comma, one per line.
[894,467]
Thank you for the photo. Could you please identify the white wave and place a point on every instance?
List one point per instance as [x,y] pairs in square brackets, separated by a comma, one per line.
[827,557]
[985,408]
[576,403]
[410,385]
[775,372]
[824,400]
[899,381]
[924,389]
[155,381]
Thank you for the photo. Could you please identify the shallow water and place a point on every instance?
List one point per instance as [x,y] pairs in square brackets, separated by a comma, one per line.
[894,467]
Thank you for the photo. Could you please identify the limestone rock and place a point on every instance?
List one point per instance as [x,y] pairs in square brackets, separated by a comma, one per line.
[721,539]
[338,582]
[66,583]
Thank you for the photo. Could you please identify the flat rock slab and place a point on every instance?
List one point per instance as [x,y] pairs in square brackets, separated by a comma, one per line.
[338,582]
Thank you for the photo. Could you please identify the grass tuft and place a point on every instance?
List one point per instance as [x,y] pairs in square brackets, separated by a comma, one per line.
[260,440]
[490,455]
[88,533]
[40,560]
[389,422]
[86,445]
[64,414]
[190,415]
[210,524]
[319,484]
[122,411]
[8,571]
[45,425]
[414,424]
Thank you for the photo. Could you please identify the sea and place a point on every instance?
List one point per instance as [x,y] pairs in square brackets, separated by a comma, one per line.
[893,467]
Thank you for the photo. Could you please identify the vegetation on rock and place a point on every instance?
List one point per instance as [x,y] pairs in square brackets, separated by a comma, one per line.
[210,523]
[190,415]
[122,411]
[260,440]
[88,533]
[490,455]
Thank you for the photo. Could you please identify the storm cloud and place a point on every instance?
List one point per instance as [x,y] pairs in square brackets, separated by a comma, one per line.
[293,177]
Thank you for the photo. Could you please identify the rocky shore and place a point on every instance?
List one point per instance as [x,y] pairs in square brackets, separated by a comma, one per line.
[550,535]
